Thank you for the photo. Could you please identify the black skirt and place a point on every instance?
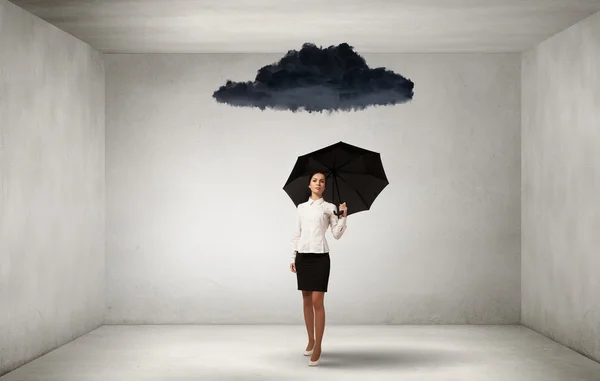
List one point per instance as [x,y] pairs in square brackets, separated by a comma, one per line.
[312,271]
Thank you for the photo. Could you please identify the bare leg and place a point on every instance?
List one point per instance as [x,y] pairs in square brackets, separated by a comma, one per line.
[309,318]
[318,305]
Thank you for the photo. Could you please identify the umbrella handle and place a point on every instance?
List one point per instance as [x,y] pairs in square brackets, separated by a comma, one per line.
[338,213]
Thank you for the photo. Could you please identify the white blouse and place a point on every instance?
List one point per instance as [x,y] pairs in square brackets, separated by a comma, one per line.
[314,218]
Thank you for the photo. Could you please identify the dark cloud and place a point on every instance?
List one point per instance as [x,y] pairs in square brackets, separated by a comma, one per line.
[318,79]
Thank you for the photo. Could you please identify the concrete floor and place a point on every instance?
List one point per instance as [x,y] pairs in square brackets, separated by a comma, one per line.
[175,353]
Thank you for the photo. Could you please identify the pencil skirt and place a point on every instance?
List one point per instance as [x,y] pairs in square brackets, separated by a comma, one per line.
[312,271]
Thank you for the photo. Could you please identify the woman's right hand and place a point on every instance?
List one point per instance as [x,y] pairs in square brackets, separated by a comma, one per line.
[293,267]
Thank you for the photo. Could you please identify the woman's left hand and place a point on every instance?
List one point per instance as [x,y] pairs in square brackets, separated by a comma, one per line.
[343,208]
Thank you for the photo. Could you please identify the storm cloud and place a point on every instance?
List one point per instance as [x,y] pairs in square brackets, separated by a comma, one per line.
[318,79]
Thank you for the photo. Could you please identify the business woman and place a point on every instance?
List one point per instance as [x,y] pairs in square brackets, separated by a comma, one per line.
[310,259]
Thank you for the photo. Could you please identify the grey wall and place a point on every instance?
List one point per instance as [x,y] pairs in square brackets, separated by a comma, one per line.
[51,187]
[561,187]
[199,227]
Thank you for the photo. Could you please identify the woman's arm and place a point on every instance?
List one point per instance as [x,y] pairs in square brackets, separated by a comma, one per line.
[295,238]
[338,224]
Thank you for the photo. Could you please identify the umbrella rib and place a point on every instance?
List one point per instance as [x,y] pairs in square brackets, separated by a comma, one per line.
[350,161]
[337,168]
[317,161]
[353,159]
[355,191]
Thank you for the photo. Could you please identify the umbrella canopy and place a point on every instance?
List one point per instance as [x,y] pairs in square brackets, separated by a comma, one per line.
[354,175]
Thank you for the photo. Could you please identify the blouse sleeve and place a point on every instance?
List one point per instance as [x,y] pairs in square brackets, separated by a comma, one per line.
[338,224]
[295,238]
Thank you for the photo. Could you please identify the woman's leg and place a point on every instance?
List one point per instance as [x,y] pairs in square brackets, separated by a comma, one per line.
[309,318]
[318,305]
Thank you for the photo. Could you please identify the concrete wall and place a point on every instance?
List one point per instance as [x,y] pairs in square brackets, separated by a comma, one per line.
[52,204]
[561,187]
[199,227]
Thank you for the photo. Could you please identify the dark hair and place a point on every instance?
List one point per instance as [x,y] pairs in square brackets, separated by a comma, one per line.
[314,173]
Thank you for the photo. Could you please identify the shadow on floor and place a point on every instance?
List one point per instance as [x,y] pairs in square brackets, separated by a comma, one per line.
[392,358]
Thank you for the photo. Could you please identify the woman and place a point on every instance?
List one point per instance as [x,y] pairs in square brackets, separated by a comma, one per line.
[310,259]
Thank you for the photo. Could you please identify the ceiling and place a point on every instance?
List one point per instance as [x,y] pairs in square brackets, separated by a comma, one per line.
[371,26]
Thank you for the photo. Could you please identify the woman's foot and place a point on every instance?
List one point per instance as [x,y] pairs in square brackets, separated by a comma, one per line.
[316,356]
[309,348]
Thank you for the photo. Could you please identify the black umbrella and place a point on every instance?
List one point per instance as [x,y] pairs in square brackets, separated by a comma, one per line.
[354,176]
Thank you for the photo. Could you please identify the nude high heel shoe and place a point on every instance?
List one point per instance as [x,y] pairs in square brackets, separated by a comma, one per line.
[314,363]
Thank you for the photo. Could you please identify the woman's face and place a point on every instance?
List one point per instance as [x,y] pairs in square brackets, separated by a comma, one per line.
[317,184]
